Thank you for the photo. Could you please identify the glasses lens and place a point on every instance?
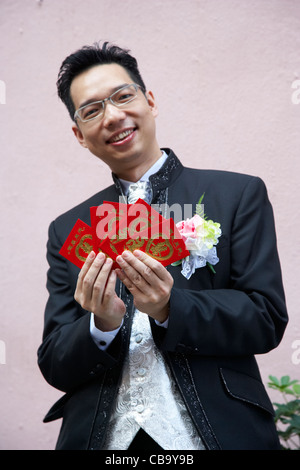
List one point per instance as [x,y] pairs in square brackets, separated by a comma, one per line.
[119,98]
[91,111]
[124,95]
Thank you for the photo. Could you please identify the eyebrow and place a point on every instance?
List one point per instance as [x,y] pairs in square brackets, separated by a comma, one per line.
[93,100]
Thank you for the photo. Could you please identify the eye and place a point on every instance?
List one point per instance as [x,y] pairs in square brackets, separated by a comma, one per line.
[90,111]
[124,95]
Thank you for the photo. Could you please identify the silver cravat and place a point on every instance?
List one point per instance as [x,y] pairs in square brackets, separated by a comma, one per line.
[140,190]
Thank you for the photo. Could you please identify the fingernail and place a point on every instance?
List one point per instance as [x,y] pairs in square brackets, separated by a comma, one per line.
[137,253]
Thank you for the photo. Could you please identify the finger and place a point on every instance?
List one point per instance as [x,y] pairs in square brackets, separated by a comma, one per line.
[102,278]
[102,287]
[83,271]
[122,276]
[87,264]
[102,274]
[112,309]
[110,285]
[90,274]
[135,289]
[154,265]
[110,295]
[151,268]
[133,270]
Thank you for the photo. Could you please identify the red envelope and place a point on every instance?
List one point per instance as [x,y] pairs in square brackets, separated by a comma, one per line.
[166,244]
[105,218]
[141,216]
[131,220]
[118,220]
[116,227]
[78,244]
[162,242]
[138,219]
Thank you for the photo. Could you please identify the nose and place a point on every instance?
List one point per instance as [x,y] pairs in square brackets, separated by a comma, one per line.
[112,114]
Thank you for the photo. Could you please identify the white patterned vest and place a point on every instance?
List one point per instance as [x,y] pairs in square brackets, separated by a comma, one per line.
[148,398]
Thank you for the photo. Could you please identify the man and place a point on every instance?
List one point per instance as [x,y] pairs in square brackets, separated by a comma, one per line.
[148,358]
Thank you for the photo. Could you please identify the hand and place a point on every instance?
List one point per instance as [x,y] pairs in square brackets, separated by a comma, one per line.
[95,292]
[148,281]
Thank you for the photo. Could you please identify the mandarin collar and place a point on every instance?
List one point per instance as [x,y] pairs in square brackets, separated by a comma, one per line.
[163,178]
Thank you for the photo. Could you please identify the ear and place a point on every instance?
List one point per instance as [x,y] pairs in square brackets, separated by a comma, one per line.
[79,136]
[152,103]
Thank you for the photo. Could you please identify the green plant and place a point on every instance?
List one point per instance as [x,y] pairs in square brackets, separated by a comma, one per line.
[287,414]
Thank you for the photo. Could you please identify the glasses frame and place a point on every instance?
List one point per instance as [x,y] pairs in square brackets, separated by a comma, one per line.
[110,98]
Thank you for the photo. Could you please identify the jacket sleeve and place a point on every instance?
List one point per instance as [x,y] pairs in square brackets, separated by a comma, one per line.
[245,312]
[68,356]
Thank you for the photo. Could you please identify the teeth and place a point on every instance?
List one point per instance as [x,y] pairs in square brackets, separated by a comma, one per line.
[121,136]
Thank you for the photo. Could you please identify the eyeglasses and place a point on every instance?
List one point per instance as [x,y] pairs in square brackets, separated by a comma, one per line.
[124,95]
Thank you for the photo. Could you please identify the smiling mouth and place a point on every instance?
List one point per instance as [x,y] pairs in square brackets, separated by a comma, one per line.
[122,136]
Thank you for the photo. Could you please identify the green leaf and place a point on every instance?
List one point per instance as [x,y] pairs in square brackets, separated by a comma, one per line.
[199,209]
[288,391]
[201,198]
[296,389]
[287,409]
[211,267]
[274,380]
[177,263]
[292,382]
[295,423]
[287,414]
[285,380]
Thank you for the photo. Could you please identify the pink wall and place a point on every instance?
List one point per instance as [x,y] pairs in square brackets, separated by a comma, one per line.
[229,64]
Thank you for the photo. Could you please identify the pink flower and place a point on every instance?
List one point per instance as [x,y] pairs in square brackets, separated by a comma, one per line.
[188,228]
[200,237]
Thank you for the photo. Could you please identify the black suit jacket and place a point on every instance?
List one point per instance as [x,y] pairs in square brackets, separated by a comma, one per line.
[218,322]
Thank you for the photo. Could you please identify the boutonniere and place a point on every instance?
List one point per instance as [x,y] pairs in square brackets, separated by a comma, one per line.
[201,237]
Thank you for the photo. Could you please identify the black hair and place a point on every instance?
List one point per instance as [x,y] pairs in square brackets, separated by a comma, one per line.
[87,57]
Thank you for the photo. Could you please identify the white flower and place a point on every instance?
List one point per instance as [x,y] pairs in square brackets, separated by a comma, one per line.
[200,237]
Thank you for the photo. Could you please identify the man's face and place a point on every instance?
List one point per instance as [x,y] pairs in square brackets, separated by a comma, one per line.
[124,138]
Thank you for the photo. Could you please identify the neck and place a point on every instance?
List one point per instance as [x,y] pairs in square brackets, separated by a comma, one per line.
[135,171]
[161,180]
